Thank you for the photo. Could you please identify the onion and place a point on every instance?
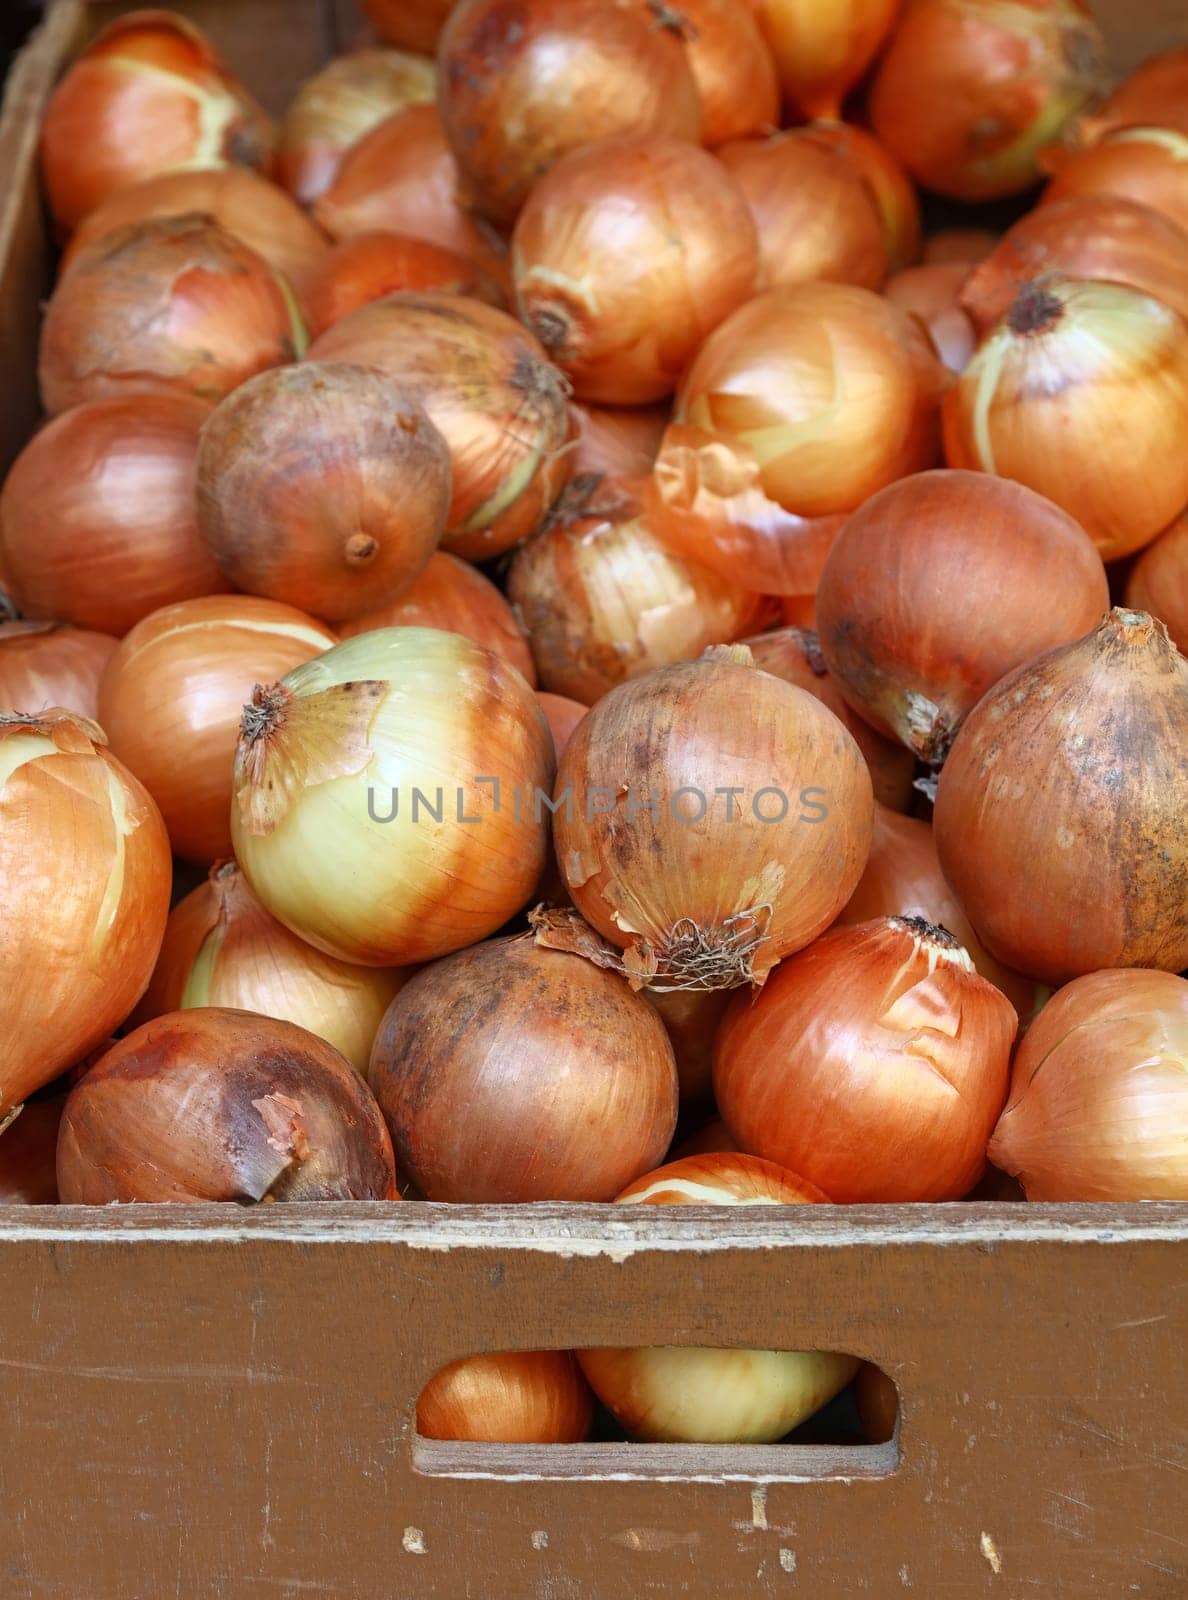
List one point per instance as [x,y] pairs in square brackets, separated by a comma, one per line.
[800,610]
[892,190]
[223,949]
[506,425]
[514,1397]
[1154,95]
[322,486]
[875,1063]
[699,1394]
[1099,1098]
[1040,403]
[969,90]
[617,442]
[44,664]
[27,1155]
[932,293]
[816,216]
[358,780]
[690,1018]
[84,893]
[335,108]
[1158,582]
[822,48]
[373,265]
[760,832]
[958,244]
[213,1104]
[98,524]
[733,69]
[413,26]
[877,1400]
[171,698]
[1147,165]
[171,304]
[149,95]
[512,1072]
[524,82]
[1069,779]
[562,716]
[794,654]
[625,256]
[713,1139]
[938,587]
[452,596]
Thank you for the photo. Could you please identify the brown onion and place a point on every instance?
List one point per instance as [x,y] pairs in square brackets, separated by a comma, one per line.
[892,190]
[562,716]
[514,1397]
[875,1063]
[373,265]
[690,1018]
[45,664]
[1098,1108]
[1158,583]
[28,1148]
[1060,811]
[733,68]
[877,1400]
[214,1104]
[958,244]
[1147,165]
[822,48]
[932,293]
[514,1073]
[617,442]
[411,24]
[1154,95]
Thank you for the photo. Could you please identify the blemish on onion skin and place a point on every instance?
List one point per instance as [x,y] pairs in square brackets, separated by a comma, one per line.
[990,1551]
[540,1539]
[413,1541]
[788,1560]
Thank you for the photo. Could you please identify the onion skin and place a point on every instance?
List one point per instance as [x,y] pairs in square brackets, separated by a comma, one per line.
[45,664]
[1098,1108]
[512,1073]
[958,244]
[98,524]
[822,49]
[513,1397]
[373,265]
[1154,95]
[84,893]
[938,587]
[932,293]
[877,1400]
[713,1139]
[690,1018]
[892,190]
[733,68]
[27,1152]
[1145,165]
[171,696]
[1069,777]
[214,1104]
[875,1063]
[626,255]
[617,442]
[1158,582]
[562,716]
[412,27]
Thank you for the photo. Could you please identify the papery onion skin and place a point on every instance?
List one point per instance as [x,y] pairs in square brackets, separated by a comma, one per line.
[98,524]
[875,1063]
[507,427]
[1069,778]
[172,304]
[358,873]
[626,255]
[322,486]
[1146,165]
[562,716]
[617,442]
[1154,95]
[1158,582]
[877,1400]
[513,1397]
[1040,400]
[84,893]
[938,587]
[733,68]
[454,597]
[373,265]
[171,697]
[149,95]
[969,91]
[414,26]
[893,191]
[216,1104]
[45,664]
[27,1149]
[716,902]
[822,48]
[512,1073]
[932,293]
[690,1018]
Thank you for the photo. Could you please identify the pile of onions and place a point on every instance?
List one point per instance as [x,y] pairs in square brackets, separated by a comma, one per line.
[1154,95]
[1040,403]
[1069,778]
[98,524]
[335,108]
[626,255]
[1147,165]
[372,265]
[816,216]
[1158,582]
[149,95]
[485,383]
[617,442]
[513,1397]
[691,1018]
[173,304]
[45,664]
[223,949]
[875,1063]
[412,27]
[702,1395]
[733,69]
[511,1073]
[454,596]
[28,1153]
[1098,1108]
[524,82]
[938,587]
[214,1104]
[171,697]
[822,49]
[84,893]
[893,191]
[706,842]
[385,796]
[932,293]
[969,91]
[323,486]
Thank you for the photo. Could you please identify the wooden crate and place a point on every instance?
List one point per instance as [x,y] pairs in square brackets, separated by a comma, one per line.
[208,1403]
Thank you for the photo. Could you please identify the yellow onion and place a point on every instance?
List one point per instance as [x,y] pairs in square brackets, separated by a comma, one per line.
[1147,165]
[733,69]
[372,266]
[1060,811]
[513,1397]
[353,781]
[893,192]
[412,24]
[84,893]
[44,664]
[932,293]
[28,1147]
[823,47]
[1158,582]
[1098,1108]
[958,244]
[690,1018]
[617,441]
[562,716]
[1154,95]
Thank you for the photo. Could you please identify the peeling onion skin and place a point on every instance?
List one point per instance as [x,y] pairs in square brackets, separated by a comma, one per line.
[617,441]
[372,266]
[893,191]
[1069,777]
[85,877]
[216,1104]
[1099,1099]
[932,293]
[822,48]
[733,68]
[513,1397]
[1141,164]
[875,1063]
[939,586]
[512,1073]
[45,664]
[415,26]
[1158,582]
[28,1146]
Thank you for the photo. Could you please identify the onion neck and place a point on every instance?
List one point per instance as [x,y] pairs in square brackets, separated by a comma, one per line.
[1035,310]
[934,942]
